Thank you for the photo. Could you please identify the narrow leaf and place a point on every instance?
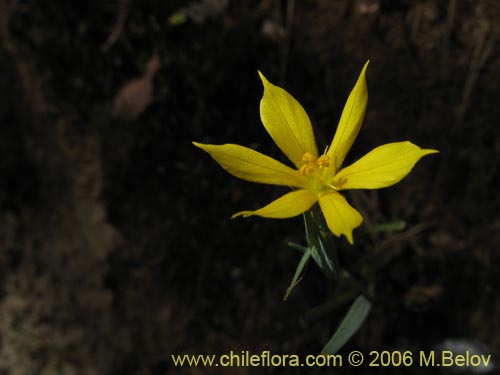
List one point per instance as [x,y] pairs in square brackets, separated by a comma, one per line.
[320,240]
[298,272]
[320,256]
[354,318]
[297,247]
[389,227]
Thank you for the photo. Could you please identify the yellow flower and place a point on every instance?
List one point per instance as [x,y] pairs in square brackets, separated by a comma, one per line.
[316,178]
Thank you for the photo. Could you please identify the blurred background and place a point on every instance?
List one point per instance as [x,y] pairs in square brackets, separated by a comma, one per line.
[116,244]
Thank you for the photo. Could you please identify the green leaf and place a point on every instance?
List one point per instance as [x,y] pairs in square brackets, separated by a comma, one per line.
[320,256]
[297,247]
[389,227]
[354,318]
[298,272]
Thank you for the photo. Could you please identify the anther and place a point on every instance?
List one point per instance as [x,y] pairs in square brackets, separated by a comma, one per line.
[306,169]
[323,161]
[309,158]
[310,161]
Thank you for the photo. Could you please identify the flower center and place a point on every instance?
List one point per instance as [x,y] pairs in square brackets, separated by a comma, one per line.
[311,163]
[313,168]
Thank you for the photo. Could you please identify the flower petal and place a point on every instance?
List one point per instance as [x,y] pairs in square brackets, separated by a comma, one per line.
[340,216]
[286,122]
[289,205]
[383,166]
[253,166]
[349,124]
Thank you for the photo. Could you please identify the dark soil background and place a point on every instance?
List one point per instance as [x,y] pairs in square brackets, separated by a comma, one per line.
[116,247]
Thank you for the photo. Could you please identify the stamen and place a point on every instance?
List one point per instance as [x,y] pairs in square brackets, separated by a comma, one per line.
[306,169]
[332,186]
[323,161]
[309,158]
[309,167]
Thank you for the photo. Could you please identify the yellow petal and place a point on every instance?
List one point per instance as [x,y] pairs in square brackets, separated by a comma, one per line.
[289,205]
[383,166]
[349,124]
[340,216]
[286,122]
[253,166]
